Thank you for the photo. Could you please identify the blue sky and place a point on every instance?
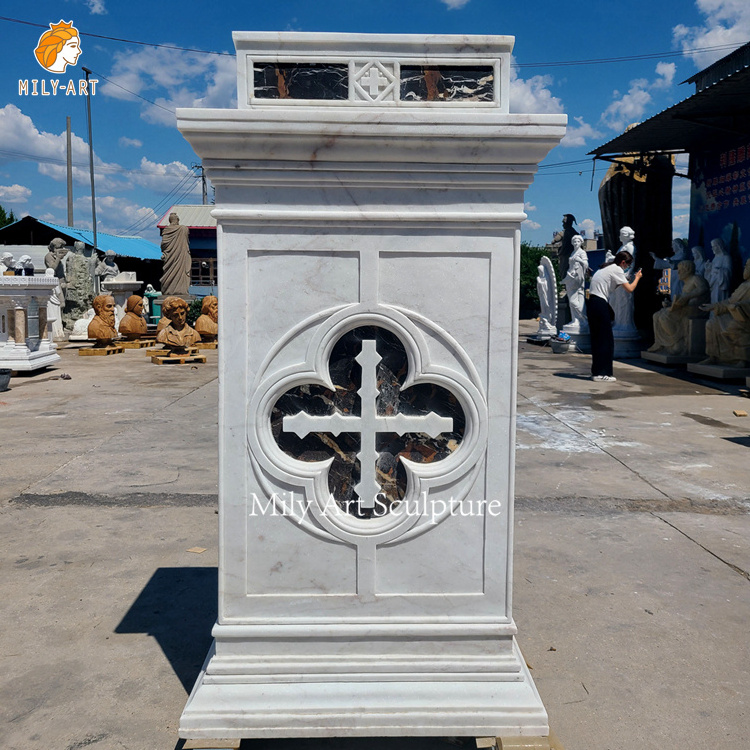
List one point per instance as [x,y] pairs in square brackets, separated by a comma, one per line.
[143,163]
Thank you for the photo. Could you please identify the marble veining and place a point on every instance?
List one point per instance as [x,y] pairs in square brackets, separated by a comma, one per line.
[346,373]
[301,81]
[447,83]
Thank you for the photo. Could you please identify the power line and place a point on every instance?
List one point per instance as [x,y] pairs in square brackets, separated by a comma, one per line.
[555,64]
[120,86]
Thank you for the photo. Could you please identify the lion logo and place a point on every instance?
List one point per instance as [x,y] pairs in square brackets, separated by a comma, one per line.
[58,47]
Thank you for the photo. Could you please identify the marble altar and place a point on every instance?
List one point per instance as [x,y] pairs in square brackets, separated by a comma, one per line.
[25,337]
[369,197]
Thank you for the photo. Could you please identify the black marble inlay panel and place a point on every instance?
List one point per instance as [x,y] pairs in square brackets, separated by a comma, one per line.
[346,375]
[301,81]
[443,83]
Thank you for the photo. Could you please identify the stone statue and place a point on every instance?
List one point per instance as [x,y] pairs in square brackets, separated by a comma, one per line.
[80,285]
[178,335]
[175,249]
[699,258]
[102,327]
[575,282]
[8,265]
[106,269]
[54,309]
[208,322]
[546,287]
[24,267]
[671,324]
[133,324]
[719,271]
[57,250]
[620,300]
[564,239]
[728,329]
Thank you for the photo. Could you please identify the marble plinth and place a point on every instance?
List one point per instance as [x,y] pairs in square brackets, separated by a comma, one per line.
[628,345]
[369,198]
[671,360]
[25,334]
[121,287]
[719,371]
[580,342]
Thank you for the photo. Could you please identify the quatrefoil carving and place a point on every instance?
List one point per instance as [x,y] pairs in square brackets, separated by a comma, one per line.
[369,425]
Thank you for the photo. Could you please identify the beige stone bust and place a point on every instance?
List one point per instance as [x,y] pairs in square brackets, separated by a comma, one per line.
[208,323]
[102,327]
[178,335]
[133,325]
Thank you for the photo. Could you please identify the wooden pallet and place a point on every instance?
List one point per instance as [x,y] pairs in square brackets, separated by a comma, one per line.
[100,351]
[136,344]
[208,345]
[179,359]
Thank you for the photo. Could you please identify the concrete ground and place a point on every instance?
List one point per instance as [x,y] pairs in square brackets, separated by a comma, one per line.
[632,592]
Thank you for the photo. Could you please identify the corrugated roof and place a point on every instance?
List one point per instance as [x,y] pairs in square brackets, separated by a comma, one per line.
[131,247]
[193,216]
[689,125]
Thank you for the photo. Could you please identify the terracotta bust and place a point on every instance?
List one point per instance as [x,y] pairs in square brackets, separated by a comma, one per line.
[102,327]
[178,335]
[133,325]
[208,323]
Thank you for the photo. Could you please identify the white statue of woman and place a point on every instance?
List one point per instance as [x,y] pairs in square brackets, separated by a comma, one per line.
[546,287]
[699,258]
[54,309]
[575,282]
[719,272]
[620,300]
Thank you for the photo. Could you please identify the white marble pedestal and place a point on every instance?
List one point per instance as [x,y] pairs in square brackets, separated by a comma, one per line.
[25,336]
[719,371]
[696,347]
[121,287]
[369,217]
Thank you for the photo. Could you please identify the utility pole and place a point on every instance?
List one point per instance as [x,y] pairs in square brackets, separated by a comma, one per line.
[70,172]
[204,187]
[91,152]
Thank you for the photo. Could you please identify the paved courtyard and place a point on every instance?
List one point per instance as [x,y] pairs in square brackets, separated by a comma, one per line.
[632,592]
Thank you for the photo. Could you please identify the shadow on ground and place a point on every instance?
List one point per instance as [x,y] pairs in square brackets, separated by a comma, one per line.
[178,607]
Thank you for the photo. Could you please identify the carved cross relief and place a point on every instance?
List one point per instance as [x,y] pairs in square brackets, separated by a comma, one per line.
[369,423]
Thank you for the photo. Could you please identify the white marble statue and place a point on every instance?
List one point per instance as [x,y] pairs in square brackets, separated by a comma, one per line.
[679,253]
[728,329]
[620,300]
[575,283]
[54,309]
[672,324]
[7,264]
[719,271]
[546,287]
[699,258]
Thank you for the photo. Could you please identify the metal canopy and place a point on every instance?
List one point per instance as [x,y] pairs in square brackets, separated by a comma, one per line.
[691,125]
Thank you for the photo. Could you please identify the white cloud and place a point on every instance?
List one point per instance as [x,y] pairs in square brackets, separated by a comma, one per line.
[532,95]
[455,4]
[96,7]
[14,193]
[126,142]
[629,108]
[680,223]
[529,224]
[172,78]
[586,228]
[164,177]
[19,135]
[727,23]
[528,207]
[576,135]
[115,215]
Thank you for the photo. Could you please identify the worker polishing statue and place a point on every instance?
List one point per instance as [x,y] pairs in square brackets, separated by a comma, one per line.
[175,252]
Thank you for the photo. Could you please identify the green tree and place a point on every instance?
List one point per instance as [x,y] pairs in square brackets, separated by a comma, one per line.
[528,298]
[6,218]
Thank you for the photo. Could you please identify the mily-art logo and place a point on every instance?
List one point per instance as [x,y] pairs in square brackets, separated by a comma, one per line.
[57,48]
